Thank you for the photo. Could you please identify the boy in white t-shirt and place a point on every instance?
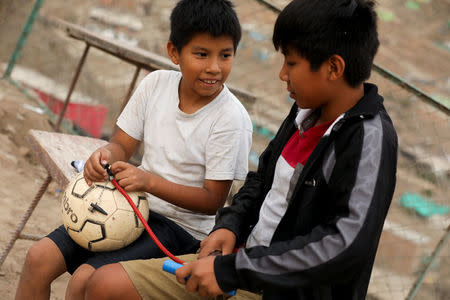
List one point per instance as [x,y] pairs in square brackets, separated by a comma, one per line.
[196,135]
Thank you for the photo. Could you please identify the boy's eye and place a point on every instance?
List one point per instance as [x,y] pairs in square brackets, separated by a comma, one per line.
[290,63]
[201,54]
[227,55]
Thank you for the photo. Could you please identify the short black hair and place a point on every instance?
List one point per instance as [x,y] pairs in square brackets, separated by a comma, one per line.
[317,29]
[191,17]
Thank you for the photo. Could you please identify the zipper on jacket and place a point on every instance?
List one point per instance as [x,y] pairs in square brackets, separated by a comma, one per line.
[311,182]
[300,130]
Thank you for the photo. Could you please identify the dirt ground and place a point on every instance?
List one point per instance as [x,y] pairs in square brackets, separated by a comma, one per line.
[423,132]
[20,179]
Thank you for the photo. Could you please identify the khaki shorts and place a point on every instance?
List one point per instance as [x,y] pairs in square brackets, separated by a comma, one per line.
[152,282]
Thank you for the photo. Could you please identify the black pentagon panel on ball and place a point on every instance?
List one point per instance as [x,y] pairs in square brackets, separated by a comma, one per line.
[105,186]
[100,237]
[81,189]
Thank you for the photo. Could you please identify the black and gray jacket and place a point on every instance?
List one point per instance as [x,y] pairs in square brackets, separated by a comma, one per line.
[325,244]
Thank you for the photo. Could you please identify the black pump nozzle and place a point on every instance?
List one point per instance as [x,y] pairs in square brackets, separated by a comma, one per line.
[108,170]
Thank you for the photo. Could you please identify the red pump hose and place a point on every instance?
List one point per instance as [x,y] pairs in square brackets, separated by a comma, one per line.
[147,228]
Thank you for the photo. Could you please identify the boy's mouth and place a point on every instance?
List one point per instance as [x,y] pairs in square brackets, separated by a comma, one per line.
[291,93]
[207,81]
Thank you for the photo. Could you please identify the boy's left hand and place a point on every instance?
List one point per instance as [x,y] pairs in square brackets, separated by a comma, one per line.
[129,177]
[201,277]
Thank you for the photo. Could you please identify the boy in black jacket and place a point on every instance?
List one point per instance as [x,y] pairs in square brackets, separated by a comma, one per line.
[312,214]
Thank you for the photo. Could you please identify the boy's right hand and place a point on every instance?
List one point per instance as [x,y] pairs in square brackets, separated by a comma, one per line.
[222,240]
[94,168]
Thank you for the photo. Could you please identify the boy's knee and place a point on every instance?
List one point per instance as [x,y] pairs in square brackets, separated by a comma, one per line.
[110,282]
[93,290]
[36,256]
[98,286]
[78,282]
[81,276]
[43,259]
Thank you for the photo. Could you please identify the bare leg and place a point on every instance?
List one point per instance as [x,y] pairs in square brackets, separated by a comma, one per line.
[111,282]
[43,264]
[77,283]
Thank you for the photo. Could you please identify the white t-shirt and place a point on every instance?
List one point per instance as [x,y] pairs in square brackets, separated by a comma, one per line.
[212,143]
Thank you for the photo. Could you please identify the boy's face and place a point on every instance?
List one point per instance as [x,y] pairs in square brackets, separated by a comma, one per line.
[205,63]
[306,87]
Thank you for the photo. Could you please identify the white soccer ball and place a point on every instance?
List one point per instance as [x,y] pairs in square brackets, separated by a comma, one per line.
[98,217]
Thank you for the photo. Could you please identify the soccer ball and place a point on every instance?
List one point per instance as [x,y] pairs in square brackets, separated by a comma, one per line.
[98,217]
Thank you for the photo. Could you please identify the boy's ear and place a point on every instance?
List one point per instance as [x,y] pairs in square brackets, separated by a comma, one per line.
[172,51]
[336,67]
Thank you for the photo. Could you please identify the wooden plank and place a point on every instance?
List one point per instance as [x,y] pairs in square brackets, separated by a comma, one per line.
[137,56]
[132,54]
[57,150]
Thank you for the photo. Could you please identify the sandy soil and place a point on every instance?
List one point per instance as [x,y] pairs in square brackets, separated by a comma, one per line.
[20,179]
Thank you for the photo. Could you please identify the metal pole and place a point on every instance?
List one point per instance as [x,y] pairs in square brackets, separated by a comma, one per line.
[72,86]
[129,93]
[410,88]
[415,288]
[23,37]
[130,89]
[25,218]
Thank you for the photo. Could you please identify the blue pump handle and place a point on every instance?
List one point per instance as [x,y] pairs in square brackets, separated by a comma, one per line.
[171,266]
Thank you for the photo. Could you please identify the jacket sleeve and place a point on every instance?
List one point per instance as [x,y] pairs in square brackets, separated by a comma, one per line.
[363,181]
[242,215]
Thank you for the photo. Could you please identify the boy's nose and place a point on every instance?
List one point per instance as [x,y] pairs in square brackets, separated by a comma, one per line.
[283,74]
[213,66]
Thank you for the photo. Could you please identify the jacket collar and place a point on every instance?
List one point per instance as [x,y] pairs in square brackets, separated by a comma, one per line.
[369,105]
